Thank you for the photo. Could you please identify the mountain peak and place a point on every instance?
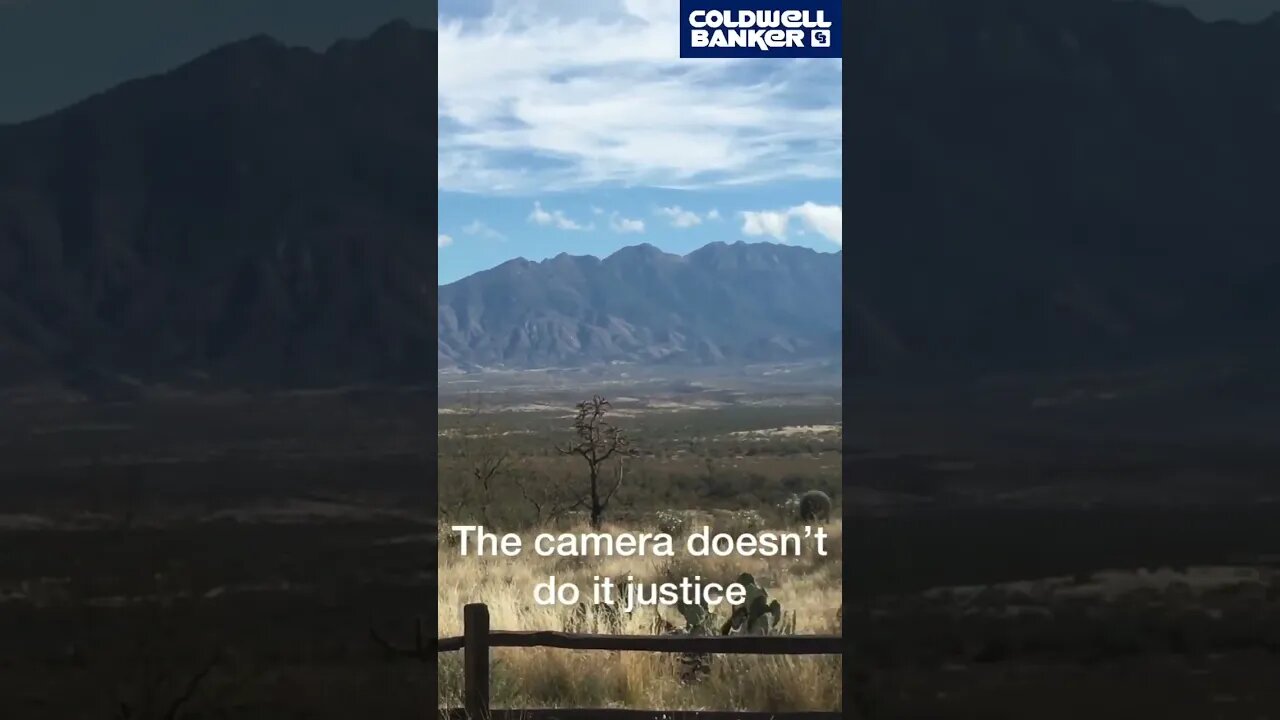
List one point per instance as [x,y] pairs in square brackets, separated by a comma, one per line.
[242,56]
[1038,265]
[644,305]
[398,38]
[298,210]
[642,251]
[394,27]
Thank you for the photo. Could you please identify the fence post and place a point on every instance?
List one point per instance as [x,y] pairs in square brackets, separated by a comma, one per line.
[475,660]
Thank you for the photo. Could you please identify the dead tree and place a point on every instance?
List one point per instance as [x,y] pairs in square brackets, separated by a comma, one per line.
[485,458]
[548,497]
[145,708]
[598,440]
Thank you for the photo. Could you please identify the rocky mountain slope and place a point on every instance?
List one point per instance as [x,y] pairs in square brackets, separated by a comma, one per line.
[262,214]
[721,304]
[1059,184]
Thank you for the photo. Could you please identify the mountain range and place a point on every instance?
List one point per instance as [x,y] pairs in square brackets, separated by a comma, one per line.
[1059,184]
[260,215]
[719,304]
[1032,184]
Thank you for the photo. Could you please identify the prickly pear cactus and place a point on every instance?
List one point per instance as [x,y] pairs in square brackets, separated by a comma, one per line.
[757,615]
[601,618]
[694,667]
[697,619]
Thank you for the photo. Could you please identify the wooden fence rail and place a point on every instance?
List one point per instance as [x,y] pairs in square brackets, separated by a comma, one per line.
[477,639]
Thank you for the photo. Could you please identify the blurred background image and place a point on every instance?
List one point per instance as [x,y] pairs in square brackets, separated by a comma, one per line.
[1060,452]
[216,402]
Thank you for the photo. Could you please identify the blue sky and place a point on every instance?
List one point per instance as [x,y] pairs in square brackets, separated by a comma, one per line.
[576,127]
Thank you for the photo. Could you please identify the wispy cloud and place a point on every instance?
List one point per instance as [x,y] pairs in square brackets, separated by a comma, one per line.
[679,217]
[765,222]
[554,218]
[479,229]
[825,220]
[552,95]
[443,241]
[621,224]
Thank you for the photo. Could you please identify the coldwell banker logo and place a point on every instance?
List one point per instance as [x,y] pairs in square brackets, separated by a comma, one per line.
[760,28]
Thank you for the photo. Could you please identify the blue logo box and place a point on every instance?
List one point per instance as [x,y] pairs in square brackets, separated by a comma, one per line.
[760,28]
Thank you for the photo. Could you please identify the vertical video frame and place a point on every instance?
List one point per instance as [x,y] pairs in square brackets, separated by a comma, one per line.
[640,382]
[217,408]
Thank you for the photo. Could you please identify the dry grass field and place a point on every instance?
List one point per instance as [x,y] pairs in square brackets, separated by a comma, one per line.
[808,586]
[1001,563]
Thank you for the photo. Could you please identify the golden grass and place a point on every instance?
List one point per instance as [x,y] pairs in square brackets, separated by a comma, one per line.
[544,677]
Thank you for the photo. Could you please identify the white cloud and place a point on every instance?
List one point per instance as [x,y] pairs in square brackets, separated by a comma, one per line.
[713,214]
[825,220]
[554,218]
[625,225]
[443,240]
[680,217]
[479,229]
[546,95]
[765,222]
